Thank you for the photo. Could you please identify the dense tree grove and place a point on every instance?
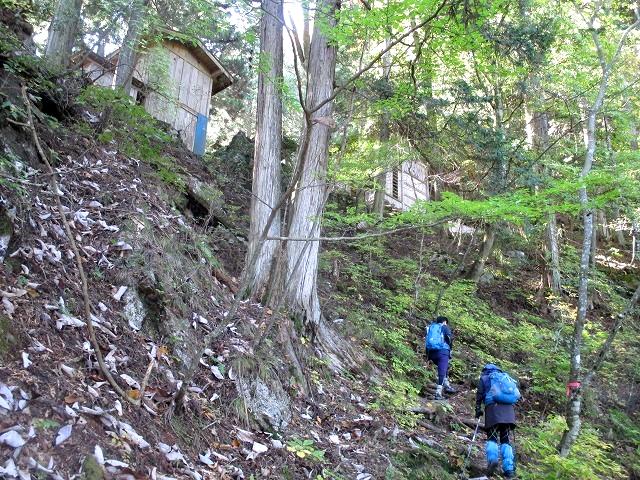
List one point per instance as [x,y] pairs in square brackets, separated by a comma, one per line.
[523,118]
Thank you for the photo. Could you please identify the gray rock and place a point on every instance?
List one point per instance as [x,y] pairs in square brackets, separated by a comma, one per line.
[206,195]
[6,229]
[4,245]
[487,278]
[134,310]
[269,404]
[517,255]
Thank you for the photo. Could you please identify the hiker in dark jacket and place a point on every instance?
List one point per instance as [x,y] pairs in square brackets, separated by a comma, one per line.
[438,350]
[499,420]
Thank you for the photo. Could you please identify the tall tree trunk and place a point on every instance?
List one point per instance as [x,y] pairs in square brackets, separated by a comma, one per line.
[498,179]
[594,239]
[576,389]
[383,137]
[487,247]
[574,403]
[380,182]
[128,55]
[537,132]
[268,144]
[308,205]
[634,136]
[63,32]
[552,235]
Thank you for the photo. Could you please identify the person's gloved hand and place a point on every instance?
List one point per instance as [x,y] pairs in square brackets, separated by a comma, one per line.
[478,412]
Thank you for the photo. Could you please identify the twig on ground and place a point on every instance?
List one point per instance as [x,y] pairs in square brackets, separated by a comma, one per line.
[74,247]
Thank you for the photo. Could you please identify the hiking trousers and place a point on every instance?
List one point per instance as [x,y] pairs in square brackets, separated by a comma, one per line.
[441,359]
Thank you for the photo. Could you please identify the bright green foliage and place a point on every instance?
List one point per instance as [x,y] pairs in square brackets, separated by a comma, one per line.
[591,459]
[305,449]
[135,132]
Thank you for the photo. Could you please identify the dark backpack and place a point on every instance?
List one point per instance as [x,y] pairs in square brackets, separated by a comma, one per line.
[503,389]
[435,338]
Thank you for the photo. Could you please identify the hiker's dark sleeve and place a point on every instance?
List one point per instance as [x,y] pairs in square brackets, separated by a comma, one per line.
[448,336]
[480,394]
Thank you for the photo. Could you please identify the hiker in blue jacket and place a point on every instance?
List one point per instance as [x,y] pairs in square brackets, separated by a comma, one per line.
[438,342]
[499,420]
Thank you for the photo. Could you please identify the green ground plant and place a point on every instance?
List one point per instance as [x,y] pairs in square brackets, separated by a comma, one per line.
[135,132]
[592,459]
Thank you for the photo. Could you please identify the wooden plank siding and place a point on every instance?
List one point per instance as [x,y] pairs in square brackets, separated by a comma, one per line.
[412,185]
[188,94]
[194,74]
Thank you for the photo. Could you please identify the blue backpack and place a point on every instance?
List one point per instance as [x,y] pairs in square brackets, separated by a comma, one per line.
[435,338]
[503,389]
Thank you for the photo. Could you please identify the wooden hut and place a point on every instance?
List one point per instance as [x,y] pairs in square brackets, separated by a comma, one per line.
[180,97]
[406,184]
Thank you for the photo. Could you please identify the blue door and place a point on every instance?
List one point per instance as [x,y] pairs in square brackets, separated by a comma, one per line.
[200,140]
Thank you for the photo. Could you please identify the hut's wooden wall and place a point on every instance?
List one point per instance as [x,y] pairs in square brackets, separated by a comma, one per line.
[411,180]
[188,94]
[98,74]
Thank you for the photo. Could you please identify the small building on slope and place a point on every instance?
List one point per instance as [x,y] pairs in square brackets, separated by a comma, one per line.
[406,184]
[174,81]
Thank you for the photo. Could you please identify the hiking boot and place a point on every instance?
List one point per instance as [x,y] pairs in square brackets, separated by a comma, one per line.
[510,474]
[438,395]
[447,387]
[491,469]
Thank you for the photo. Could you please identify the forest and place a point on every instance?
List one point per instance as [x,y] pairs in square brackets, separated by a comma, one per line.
[229,229]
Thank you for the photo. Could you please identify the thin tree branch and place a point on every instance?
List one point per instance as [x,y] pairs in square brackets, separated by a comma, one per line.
[606,346]
[74,247]
[375,59]
[355,238]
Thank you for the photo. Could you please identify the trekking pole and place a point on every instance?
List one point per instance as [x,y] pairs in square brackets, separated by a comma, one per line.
[515,456]
[473,439]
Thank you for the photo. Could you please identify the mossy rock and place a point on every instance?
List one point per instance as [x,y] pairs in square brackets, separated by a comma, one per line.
[91,469]
[8,337]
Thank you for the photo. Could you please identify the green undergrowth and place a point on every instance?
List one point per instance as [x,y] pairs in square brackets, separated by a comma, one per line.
[592,458]
[136,133]
[387,294]
[423,463]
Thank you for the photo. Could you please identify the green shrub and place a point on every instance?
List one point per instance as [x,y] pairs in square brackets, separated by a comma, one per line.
[590,458]
[136,133]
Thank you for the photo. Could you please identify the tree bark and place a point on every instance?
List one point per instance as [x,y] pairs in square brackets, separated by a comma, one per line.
[268,144]
[537,132]
[378,195]
[384,135]
[308,204]
[128,56]
[487,247]
[552,234]
[606,346]
[634,136]
[574,403]
[63,32]
[594,239]
[498,185]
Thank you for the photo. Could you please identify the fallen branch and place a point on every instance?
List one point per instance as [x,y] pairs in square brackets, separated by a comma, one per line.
[85,289]
[225,278]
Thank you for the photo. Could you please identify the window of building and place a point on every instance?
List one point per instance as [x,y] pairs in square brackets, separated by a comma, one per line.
[140,97]
[395,184]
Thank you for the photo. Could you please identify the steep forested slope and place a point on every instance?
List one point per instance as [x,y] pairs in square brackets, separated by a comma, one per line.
[162,238]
